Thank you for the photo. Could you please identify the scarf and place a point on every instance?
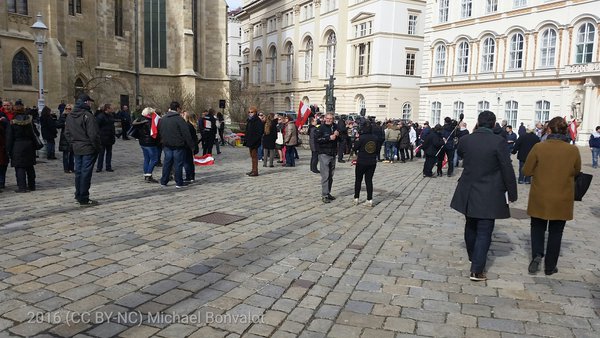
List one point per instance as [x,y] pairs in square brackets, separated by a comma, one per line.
[558,137]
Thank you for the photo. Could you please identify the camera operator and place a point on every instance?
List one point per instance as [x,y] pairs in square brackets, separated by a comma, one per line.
[450,137]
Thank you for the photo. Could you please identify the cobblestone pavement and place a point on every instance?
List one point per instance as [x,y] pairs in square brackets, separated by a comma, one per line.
[137,265]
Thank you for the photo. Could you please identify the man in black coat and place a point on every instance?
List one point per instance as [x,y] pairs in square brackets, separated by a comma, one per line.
[480,194]
[327,141]
[522,147]
[342,139]
[176,137]
[106,126]
[208,130]
[253,138]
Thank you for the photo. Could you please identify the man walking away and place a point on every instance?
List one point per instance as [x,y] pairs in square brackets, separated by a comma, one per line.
[208,130]
[480,194]
[81,131]
[595,147]
[342,139]
[254,133]
[327,141]
[125,117]
[176,137]
[106,126]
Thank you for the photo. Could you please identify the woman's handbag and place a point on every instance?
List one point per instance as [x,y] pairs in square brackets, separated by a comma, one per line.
[582,183]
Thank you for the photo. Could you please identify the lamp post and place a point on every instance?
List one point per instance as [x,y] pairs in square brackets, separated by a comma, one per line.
[39,33]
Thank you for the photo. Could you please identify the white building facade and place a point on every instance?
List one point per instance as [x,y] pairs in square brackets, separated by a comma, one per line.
[525,60]
[234,46]
[373,48]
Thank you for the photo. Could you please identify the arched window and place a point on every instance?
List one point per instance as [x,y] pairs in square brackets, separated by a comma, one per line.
[548,48]
[331,48]
[459,108]
[360,103]
[487,54]
[436,112]
[483,105]
[79,87]
[462,58]
[585,43]
[516,51]
[511,112]
[259,60]
[21,70]
[289,63]
[273,72]
[308,59]
[440,60]
[287,102]
[542,111]
[406,111]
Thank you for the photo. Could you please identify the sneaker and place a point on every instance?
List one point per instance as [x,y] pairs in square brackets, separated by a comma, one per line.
[551,272]
[163,185]
[88,203]
[356,201]
[151,180]
[369,203]
[478,276]
[330,197]
[179,186]
[534,266]
[325,199]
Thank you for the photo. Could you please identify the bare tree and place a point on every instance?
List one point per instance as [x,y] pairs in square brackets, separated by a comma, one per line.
[243,98]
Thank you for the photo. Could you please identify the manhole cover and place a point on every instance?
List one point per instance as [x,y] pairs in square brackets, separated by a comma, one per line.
[218,218]
[518,213]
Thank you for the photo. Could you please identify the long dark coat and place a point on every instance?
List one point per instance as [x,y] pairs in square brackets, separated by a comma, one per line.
[524,144]
[63,143]
[4,124]
[48,125]
[21,142]
[254,132]
[488,174]
[106,126]
[268,140]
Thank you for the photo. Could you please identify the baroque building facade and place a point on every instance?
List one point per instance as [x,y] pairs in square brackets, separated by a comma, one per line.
[373,49]
[525,60]
[118,51]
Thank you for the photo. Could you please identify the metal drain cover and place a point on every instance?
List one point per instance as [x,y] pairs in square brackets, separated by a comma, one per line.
[218,218]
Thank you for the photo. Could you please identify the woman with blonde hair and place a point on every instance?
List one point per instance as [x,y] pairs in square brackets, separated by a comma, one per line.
[553,164]
[188,161]
[148,142]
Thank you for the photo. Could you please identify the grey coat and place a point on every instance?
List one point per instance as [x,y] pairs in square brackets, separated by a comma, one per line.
[488,174]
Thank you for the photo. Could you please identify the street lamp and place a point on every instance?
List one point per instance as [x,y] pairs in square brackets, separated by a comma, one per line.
[39,33]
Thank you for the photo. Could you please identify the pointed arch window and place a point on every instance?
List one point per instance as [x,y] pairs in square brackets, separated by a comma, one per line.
[330,57]
[548,48]
[360,103]
[440,60]
[487,55]
[308,59]
[517,42]
[79,87]
[585,43]
[462,58]
[21,70]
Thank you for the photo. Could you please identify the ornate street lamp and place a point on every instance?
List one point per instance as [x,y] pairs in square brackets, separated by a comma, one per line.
[39,33]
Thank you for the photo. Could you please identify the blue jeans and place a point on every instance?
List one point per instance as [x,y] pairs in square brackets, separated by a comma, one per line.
[390,150]
[150,159]
[595,154]
[50,146]
[290,157]
[260,152]
[68,161]
[188,165]
[84,166]
[522,178]
[106,149]
[478,237]
[174,158]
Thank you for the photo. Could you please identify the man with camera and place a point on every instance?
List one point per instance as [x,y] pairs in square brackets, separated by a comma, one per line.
[327,137]
[449,135]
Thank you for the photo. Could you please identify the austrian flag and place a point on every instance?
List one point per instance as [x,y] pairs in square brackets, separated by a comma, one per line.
[204,160]
[303,112]
[154,125]
[573,129]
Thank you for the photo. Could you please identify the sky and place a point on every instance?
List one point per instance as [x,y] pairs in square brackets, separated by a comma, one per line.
[234,3]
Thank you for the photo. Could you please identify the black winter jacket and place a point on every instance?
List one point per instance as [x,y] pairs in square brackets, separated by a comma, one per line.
[142,132]
[81,130]
[524,144]
[432,143]
[325,144]
[21,142]
[63,144]
[174,131]
[48,125]
[254,132]
[367,147]
[106,126]
[268,140]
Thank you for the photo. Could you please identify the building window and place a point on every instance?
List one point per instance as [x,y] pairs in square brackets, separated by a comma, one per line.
[511,112]
[440,60]
[491,6]
[155,34]
[412,24]
[308,59]
[289,66]
[258,60]
[459,108]
[482,105]
[79,87]
[21,70]
[519,3]
[406,111]
[548,48]
[119,17]
[443,10]
[78,6]
[410,63]
[585,43]
[465,8]
[488,54]
[271,25]
[436,112]
[330,56]
[79,48]
[307,11]
[273,73]
[542,111]
[364,57]
[72,7]
[329,6]
[363,29]
[17,6]
[516,52]
[462,59]
[360,104]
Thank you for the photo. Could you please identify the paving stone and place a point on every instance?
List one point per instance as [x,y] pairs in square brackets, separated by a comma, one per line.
[502,325]
[285,305]
[107,330]
[134,299]
[439,330]
[161,287]
[300,315]
[399,324]
[423,315]
[344,331]
[360,320]
[359,307]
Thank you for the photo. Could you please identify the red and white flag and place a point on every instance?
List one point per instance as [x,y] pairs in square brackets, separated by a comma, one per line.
[303,113]
[573,129]
[154,125]
[204,160]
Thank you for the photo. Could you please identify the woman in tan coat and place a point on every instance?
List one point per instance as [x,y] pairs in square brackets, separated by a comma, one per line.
[553,165]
